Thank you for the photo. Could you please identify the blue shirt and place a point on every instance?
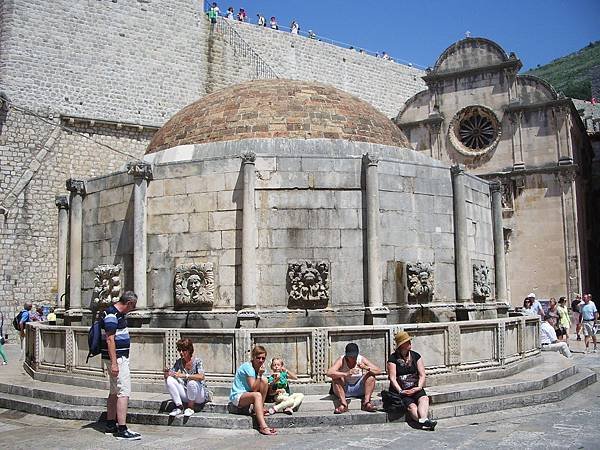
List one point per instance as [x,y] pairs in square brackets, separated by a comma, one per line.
[588,312]
[115,321]
[240,381]
[24,317]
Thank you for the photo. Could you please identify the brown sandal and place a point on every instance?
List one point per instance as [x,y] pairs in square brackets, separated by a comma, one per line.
[267,431]
[341,409]
[369,407]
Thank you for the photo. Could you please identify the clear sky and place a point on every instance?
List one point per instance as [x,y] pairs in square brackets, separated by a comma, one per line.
[419,31]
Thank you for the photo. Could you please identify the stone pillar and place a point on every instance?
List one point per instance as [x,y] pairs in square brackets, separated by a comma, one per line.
[461,244]
[62,202]
[498,233]
[248,315]
[377,313]
[142,174]
[77,190]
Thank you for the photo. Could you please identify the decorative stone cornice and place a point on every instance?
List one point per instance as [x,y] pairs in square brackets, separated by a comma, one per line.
[140,169]
[511,64]
[76,187]
[248,157]
[62,202]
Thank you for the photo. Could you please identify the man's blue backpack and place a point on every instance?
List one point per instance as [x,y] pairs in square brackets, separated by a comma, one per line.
[94,339]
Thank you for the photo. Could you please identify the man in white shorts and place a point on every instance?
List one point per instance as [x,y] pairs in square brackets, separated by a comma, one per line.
[115,354]
[588,317]
[550,342]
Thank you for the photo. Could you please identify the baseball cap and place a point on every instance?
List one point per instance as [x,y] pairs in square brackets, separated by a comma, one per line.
[352,350]
[531,295]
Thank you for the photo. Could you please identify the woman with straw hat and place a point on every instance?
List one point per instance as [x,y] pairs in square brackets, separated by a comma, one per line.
[406,372]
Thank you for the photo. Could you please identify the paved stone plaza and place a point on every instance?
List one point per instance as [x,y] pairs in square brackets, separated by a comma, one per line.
[571,423]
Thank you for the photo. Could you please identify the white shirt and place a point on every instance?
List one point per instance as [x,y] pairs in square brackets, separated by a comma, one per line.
[537,308]
[547,334]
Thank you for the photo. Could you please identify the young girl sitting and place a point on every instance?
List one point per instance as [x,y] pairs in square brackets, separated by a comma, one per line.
[280,389]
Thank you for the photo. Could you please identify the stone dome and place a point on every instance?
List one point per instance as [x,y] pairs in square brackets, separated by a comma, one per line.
[277,109]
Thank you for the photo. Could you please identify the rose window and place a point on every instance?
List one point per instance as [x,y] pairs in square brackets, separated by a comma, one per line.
[475,130]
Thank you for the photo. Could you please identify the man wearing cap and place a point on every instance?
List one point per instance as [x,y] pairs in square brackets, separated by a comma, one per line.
[406,371]
[353,375]
[536,306]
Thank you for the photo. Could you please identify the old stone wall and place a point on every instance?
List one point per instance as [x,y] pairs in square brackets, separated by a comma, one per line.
[34,169]
[127,62]
[384,84]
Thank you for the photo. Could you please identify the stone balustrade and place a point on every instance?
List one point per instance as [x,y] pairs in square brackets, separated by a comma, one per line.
[452,350]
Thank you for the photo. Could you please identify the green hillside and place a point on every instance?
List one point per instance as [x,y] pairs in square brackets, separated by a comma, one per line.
[571,74]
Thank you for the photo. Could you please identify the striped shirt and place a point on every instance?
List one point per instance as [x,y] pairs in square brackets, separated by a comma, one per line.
[113,320]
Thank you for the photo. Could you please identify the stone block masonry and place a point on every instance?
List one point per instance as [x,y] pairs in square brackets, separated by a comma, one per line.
[127,62]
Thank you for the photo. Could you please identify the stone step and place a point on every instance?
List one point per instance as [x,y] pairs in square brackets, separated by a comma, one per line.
[550,394]
[315,412]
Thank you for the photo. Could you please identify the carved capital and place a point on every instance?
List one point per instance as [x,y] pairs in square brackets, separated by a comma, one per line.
[76,187]
[140,169]
[372,159]
[248,157]
[456,170]
[496,186]
[567,176]
[61,202]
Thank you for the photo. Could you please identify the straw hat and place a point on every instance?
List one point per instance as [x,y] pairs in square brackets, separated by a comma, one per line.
[401,337]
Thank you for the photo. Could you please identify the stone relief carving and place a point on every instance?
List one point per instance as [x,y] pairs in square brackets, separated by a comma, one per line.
[194,285]
[507,196]
[308,284]
[419,282]
[481,281]
[107,285]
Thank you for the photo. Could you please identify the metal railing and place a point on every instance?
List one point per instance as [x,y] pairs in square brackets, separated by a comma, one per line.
[327,40]
[261,69]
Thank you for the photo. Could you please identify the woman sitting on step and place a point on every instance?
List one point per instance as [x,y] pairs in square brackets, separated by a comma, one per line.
[406,372]
[249,389]
[185,380]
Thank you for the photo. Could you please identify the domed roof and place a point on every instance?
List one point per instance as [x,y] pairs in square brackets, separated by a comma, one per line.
[277,109]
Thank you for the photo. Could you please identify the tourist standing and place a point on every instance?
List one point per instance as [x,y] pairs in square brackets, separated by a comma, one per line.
[294,27]
[588,318]
[213,13]
[576,315]
[564,321]
[261,22]
[51,318]
[230,13]
[536,306]
[242,16]
[273,23]
[25,317]
[2,353]
[115,354]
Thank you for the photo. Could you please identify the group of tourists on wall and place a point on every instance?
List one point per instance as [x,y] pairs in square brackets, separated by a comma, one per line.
[352,374]
[556,321]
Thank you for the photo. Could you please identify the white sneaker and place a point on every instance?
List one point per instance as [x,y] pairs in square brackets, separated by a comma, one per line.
[189,412]
[176,412]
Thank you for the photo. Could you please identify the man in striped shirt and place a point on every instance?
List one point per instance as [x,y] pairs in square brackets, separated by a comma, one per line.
[115,353]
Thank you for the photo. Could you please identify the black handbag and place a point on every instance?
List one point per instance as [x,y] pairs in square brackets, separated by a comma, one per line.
[392,402]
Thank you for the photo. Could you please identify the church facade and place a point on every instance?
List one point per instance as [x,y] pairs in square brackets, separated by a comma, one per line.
[478,111]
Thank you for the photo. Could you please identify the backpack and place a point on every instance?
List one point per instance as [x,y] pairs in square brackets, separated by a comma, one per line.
[94,339]
[17,321]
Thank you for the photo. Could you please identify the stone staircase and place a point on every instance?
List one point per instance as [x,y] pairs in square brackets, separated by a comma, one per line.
[553,379]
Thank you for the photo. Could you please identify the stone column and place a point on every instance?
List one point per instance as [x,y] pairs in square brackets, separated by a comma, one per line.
[248,315]
[142,174]
[461,244]
[62,202]
[498,232]
[377,313]
[77,190]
